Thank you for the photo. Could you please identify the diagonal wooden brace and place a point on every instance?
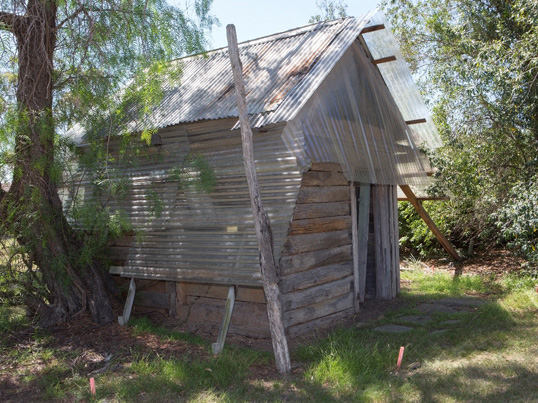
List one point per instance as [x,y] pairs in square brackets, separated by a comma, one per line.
[228,309]
[123,319]
[445,243]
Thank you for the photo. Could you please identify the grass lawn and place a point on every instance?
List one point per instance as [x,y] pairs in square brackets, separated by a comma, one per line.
[488,354]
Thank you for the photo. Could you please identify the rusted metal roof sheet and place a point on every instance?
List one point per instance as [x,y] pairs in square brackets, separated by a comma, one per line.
[281,72]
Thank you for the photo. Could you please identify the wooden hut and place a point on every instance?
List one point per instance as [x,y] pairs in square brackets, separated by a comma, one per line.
[337,122]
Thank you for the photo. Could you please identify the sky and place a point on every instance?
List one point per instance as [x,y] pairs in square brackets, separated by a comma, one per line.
[257,18]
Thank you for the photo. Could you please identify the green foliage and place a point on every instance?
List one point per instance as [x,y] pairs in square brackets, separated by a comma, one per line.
[517,221]
[415,234]
[111,62]
[195,174]
[11,319]
[330,10]
[476,62]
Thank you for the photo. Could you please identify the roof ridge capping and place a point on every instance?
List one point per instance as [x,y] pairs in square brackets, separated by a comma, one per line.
[316,26]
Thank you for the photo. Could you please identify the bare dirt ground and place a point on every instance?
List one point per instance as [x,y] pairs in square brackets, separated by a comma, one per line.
[91,346]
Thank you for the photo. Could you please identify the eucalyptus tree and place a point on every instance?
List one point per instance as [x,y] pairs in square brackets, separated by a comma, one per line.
[64,61]
[477,61]
[330,9]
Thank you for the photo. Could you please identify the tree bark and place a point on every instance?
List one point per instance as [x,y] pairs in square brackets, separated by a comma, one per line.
[261,220]
[32,208]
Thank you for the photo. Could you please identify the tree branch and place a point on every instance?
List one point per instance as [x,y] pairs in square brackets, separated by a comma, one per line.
[69,18]
[8,21]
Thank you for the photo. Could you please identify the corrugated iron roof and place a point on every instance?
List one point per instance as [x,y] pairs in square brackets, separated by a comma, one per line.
[281,73]
[278,70]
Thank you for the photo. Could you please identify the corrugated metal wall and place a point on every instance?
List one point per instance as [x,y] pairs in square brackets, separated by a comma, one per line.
[206,236]
[353,120]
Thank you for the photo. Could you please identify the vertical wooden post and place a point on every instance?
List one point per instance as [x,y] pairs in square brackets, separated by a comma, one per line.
[363,230]
[355,242]
[171,291]
[181,294]
[394,238]
[386,239]
[261,220]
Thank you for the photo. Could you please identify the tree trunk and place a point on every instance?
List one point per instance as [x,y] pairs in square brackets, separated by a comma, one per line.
[32,208]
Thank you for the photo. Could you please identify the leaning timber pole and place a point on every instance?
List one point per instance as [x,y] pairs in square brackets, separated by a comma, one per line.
[261,220]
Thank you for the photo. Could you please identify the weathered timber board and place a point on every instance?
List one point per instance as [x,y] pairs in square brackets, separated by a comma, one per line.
[311,260]
[313,242]
[326,166]
[363,229]
[320,323]
[317,210]
[316,194]
[355,245]
[317,225]
[172,298]
[316,294]
[247,294]
[310,278]
[248,319]
[324,308]
[321,178]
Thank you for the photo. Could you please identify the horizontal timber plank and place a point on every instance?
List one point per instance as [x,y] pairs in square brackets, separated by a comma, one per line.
[323,178]
[310,278]
[318,225]
[312,242]
[313,295]
[316,194]
[303,329]
[311,260]
[326,166]
[317,210]
[248,294]
[315,311]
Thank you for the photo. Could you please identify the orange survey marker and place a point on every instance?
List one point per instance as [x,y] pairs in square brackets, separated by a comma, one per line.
[400,357]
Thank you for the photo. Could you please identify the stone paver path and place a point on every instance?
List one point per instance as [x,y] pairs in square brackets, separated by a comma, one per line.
[393,329]
[444,305]
[415,319]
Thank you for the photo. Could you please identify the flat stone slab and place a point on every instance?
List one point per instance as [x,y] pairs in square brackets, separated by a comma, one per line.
[393,329]
[451,322]
[416,319]
[434,308]
[462,301]
[438,332]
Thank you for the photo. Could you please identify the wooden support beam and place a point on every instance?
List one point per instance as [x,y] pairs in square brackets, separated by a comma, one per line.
[355,243]
[373,28]
[123,319]
[261,219]
[384,60]
[181,294]
[363,229]
[429,222]
[415,121]
[228,309]
[171,292]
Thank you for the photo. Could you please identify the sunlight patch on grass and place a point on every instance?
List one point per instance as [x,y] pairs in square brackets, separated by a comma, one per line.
[441,284]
